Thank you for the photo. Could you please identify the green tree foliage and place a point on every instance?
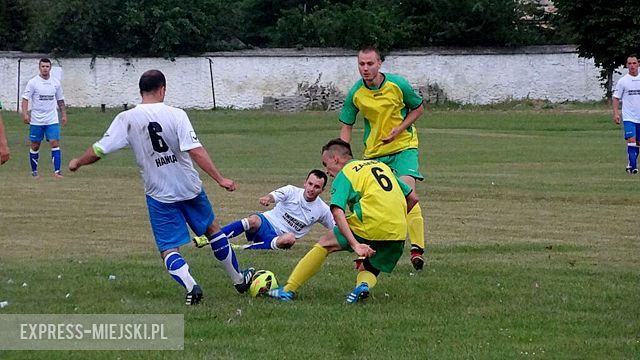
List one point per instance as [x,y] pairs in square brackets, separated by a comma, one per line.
[477,22]
[13,24]
[342,25]
[605,30]
[128,27]
[169,28]
[412,23]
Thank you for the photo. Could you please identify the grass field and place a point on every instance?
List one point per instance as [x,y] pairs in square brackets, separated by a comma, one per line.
[532,231]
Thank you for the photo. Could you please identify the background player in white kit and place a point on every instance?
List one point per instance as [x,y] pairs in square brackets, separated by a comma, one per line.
[627,90]
[45,94]
[296,210]
[164,143]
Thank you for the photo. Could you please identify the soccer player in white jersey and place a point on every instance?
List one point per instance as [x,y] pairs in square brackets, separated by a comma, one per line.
[45,94]
[164,143]
[627,90]
[296,210]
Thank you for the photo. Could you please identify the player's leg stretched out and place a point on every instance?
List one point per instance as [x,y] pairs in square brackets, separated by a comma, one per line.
[171,232]
[179,270]
[306,268]
[227,257]
[259,232]
[311,263]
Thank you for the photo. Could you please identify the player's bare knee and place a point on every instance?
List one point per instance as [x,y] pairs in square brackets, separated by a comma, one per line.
[254,222]
[164,253]
[285,241]
[213,229]
[329,243]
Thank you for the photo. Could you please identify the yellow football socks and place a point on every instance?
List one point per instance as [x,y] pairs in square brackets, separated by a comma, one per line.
[366,277]
[308,266]
[415,222]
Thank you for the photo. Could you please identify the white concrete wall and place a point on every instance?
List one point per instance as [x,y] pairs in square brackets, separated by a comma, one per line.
[242,79]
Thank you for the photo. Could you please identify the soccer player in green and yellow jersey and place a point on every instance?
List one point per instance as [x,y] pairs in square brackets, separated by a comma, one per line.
[390,108]
[375,228]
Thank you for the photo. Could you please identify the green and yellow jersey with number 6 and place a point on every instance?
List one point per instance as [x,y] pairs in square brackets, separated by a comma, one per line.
[375,197]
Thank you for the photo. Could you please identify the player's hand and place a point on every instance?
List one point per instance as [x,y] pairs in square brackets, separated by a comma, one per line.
[616,118]
[4,156]
[228,184]
[364,250]
[64,119]
[26,119]
[74,165]
[265,200]
[392,135]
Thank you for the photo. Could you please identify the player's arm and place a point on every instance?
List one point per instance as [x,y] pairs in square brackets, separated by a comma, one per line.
[409,120]
[28,93]
[89,157]
[63,111]
[4,145]
[267,200]
[25,111]
[345,132]
[615,103]
[201,157]
[348,115]
[341,222]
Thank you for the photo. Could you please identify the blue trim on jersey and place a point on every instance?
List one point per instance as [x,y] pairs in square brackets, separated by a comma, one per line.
[38,132]
[265,233]
[169,220]
[631,130]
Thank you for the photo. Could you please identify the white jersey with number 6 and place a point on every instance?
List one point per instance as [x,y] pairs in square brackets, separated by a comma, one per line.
[160,136]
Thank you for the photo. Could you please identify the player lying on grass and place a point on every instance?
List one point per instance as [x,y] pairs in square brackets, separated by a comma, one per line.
[375,228]
[164,144]
[296,210]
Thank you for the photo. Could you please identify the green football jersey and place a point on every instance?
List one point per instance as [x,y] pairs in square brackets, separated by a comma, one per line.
[383,109]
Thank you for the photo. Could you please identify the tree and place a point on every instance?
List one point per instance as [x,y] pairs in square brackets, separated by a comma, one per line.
[13,24]
[132,28]
[605,31]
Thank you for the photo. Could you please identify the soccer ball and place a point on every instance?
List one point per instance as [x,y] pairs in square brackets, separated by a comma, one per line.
[263,281]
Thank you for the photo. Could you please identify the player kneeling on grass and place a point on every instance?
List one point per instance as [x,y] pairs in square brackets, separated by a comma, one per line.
[296,210]
[375,228]
[164,143]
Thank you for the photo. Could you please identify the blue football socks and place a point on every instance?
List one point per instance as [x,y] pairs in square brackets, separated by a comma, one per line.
[56,158]
[263,245]
[224,253]
[632,151]
[179,270]
[236,228]
[33,160]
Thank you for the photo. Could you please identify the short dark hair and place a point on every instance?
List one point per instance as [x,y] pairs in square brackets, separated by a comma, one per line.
[339,146]
[44,60]
[152,80]
[633,55]
[370,48]
[319,174]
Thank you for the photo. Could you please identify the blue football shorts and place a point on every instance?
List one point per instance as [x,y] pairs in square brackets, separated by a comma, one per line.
[169,220]
[265,232]
[38,132]
[631,130]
